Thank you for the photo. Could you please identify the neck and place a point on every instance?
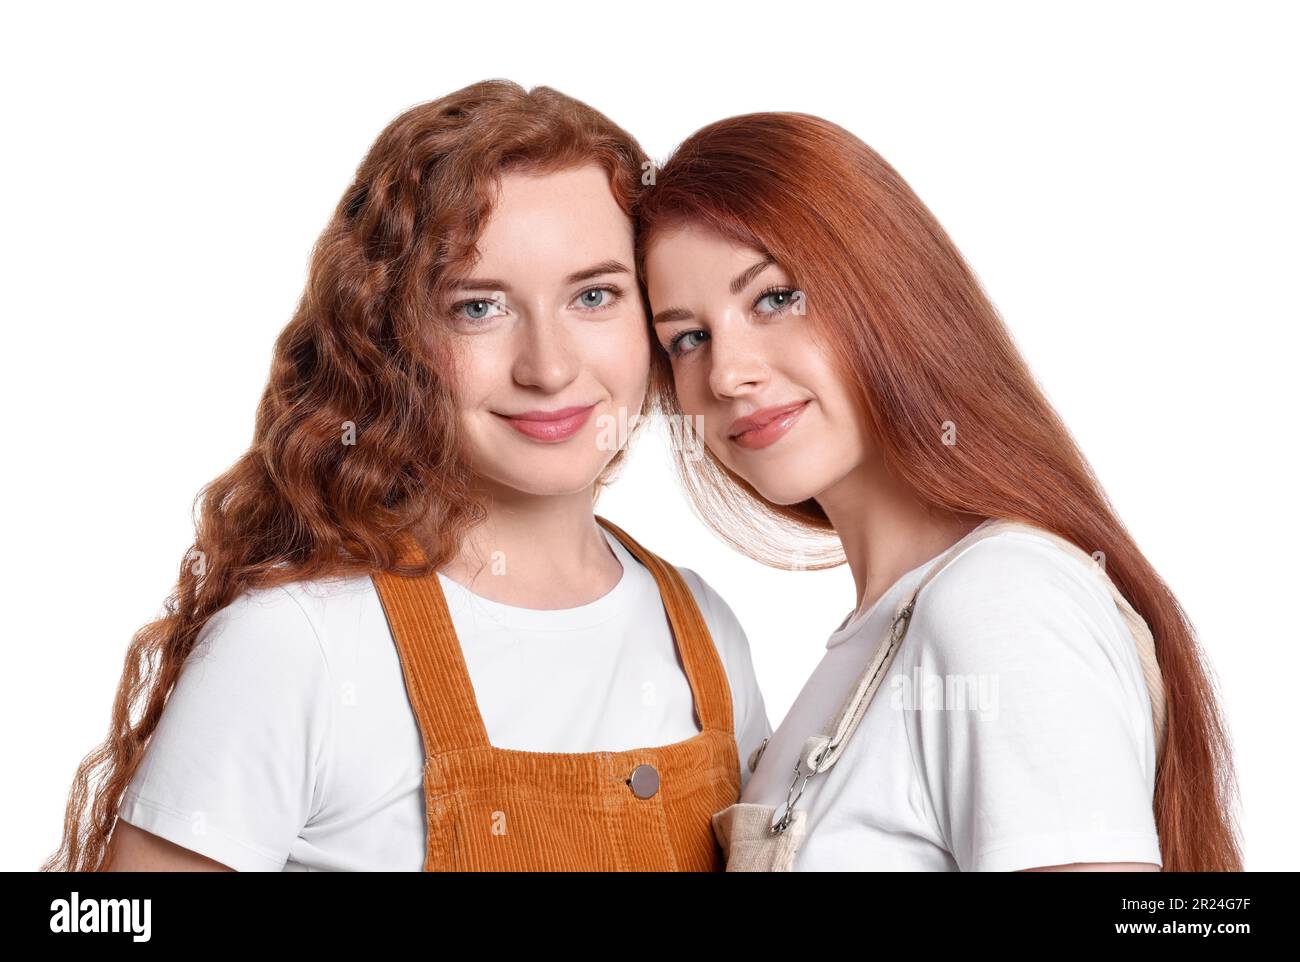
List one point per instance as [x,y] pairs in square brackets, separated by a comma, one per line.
[536,551]
[885,529]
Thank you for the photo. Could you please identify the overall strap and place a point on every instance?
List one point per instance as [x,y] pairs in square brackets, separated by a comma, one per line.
[821,751]
[437,679]
[704,669]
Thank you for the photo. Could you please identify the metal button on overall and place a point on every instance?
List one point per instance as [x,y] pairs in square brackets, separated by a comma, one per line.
[644,781]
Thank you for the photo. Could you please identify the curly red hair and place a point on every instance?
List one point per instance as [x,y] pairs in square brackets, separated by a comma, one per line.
[361,356]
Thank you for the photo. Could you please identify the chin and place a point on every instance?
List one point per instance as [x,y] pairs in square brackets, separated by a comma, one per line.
[785,490]
[549,480]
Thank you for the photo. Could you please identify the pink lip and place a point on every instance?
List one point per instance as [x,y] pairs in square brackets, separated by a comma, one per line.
[549,426]
[765,426]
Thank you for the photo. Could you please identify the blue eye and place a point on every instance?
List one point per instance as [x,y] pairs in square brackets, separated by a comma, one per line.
[477,309]
[595,298]
[683,344]
[780,300]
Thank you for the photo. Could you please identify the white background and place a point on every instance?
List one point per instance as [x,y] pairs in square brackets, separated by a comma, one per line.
[1122,178]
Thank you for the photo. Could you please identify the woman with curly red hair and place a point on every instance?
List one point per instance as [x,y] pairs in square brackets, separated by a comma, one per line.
[403,639]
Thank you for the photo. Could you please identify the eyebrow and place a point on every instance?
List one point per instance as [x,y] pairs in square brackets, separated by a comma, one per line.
[586,274]
[738,284]
[743,279]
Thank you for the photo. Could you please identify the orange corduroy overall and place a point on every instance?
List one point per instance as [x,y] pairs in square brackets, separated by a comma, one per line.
[503,809]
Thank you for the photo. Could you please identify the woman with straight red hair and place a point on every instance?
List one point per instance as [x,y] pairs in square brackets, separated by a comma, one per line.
[402,639]
[1015,687]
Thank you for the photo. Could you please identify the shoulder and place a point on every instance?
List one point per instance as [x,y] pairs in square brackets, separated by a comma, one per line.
[749,715]
[729,638]
[1017,564]
[245,735]
[1032,738]
[718,615]
[1016,595]
[327,603]
[283,629]
[259,621]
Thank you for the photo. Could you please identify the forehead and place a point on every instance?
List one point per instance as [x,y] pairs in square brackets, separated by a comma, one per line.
[559,221]
[692,254]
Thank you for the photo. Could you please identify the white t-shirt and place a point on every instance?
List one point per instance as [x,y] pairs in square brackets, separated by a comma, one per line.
[1043,755]
[289,743]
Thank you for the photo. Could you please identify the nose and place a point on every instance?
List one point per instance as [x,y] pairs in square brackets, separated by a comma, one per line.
[544,356]
[737,366]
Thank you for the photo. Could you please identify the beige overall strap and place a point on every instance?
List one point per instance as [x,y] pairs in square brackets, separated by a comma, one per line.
[822,750]
[437,679]
[703,666]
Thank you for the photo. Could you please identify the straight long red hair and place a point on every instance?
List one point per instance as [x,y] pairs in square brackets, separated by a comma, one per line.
[363,349]
[915,335]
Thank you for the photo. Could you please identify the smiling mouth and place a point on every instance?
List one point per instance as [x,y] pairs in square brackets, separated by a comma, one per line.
[767,426]
[549,427]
